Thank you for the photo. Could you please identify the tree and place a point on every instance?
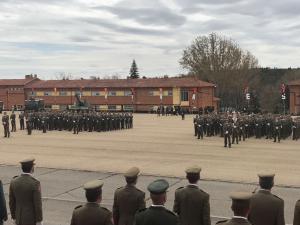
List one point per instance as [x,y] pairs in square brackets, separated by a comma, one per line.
[220,60]
[134,73]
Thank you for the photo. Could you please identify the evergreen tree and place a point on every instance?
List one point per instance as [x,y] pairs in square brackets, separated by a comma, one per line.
[134,73]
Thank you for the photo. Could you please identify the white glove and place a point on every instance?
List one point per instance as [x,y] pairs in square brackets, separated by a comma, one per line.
[39,223]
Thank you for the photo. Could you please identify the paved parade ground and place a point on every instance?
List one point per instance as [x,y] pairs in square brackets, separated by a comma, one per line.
[159,146]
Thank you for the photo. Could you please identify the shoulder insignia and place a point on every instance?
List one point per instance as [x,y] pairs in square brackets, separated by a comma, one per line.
[277,197]
[104,208]
[221,221]
[169,211]
[141,210]
[15,177]
[77,207]
[119,188]
[179,188]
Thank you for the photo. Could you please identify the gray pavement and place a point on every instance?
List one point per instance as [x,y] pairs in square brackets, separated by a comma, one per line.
[62,191]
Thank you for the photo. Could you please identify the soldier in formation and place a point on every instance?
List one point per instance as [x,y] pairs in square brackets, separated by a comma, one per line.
[13,122]
[5,123]
[78,122]
[297,214]
[237,127]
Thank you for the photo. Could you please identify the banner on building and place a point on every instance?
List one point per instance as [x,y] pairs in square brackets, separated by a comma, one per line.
[283,89]
[161,93]
[194,94]
[105,93]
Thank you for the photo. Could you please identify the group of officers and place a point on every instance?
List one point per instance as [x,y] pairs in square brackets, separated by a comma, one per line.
[236,127]
[191,204]
[70,121]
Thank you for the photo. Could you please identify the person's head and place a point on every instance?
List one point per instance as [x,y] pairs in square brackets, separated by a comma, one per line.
[266,181]
[27,165]
[193,174]
[240,203]
[131,175]
[158,191]
[93,191]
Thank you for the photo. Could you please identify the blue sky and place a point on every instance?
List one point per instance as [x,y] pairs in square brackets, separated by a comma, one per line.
[101,37]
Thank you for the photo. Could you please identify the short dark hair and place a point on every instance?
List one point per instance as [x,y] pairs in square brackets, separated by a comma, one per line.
[93,195]
[131,180]
[240,208]
[193,177]
[266,184]
[26,167]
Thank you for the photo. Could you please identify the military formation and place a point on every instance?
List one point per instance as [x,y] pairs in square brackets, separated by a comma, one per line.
[236,127]
[68,121]
[191,204]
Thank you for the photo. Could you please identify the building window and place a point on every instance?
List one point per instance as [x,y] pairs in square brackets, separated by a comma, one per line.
[32,93]
[184,95]
[62,93]
[170,93]
[112,93]
[112,107]
[151,93]
[95,93]
[128,107]
[127,93]
[47,93]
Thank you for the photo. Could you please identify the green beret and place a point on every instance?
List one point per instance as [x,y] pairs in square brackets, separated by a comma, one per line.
[158,186]
[132,172]
[240,196]
[27,161]
[93,185]
[193,169]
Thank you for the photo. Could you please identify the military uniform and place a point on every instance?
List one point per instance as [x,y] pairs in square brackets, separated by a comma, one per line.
[3,211]
[25,199]
[192,204]
[5,122]
[156,214]
[127,201]
[266,208]
[239,199]
[13,122]
[22,123]
[297,213]
[91,213]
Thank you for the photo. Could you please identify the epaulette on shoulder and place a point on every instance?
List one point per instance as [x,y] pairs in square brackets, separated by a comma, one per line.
[141,210]
[119,188]
[15,177]
[77,207]
[178,189]
[169,211]
[278,197]
[221,221]
[105,209]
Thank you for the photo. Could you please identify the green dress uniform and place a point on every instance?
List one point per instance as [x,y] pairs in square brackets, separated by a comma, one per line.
[192,205]
[266,209]
[297,213]
[91,213]
[25,200]
[235,221]
[156,214]
[3,211]
[128,200]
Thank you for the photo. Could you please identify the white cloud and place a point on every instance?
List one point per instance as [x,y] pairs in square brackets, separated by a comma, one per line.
[88,37]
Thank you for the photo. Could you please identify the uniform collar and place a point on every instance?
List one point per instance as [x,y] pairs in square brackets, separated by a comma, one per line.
[193,185]
[157,206]
[239,217]
[28,174]
[92,204]
[265,191]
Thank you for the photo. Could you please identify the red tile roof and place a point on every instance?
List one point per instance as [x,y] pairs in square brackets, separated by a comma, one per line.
[15,82]
[122,83]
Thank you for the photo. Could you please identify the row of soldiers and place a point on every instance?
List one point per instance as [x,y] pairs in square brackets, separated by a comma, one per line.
[191,204]
[236,127]
[71,121]
[6,120]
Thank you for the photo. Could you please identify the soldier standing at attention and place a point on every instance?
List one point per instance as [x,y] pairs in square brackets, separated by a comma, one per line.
[128,200]
[13,122]
[227,133]
[191,203]
[156,214]
[25,199]
[297,213]
[21,119]
[266,208]
[3,211]
[92,213]
[5,122]
[240,207]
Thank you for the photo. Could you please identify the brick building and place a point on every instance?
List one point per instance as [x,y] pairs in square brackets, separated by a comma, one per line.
[12,91]
[294,87]
[121,94]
